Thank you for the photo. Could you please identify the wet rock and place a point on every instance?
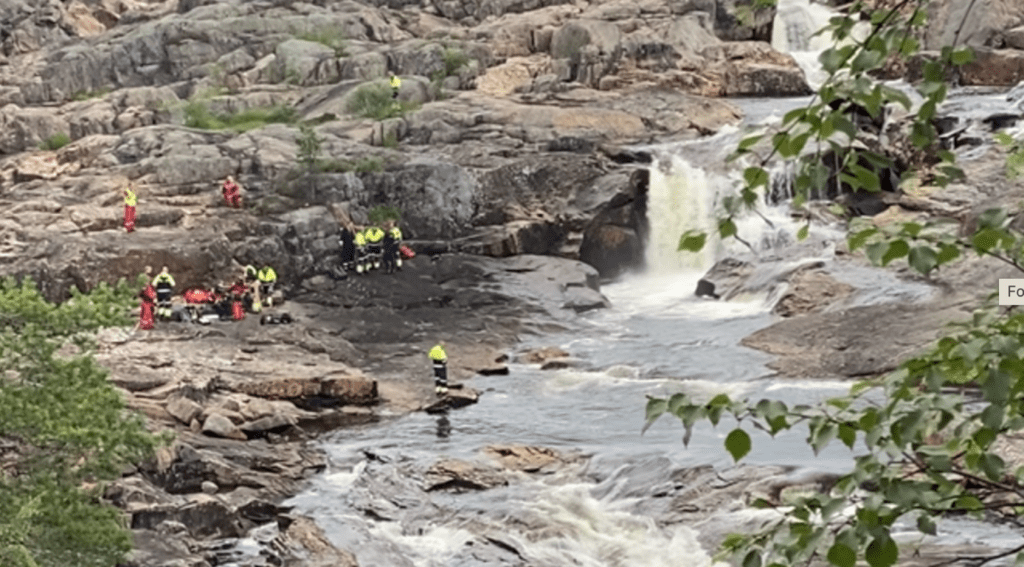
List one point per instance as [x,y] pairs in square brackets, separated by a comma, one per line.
[810,291]
[613,240]
[218,425]
[209,487]
[141,381]
[525,458]
[302,538]
[724,279]
[993,67]
[456,475]
[541,355]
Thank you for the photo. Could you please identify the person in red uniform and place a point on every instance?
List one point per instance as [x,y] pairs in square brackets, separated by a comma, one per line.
[238,292]
[148,297]
[232,193]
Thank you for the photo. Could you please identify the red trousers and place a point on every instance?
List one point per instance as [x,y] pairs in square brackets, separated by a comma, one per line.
[146,315]
[237,311]
[129,218]
[233,198]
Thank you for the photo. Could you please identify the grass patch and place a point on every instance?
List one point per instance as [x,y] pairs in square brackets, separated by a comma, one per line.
[86,95]
[374,101]
[199,115]
[55,142]
[331,37]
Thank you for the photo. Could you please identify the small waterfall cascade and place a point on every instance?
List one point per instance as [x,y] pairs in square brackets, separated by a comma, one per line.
[795,26]
[683,196]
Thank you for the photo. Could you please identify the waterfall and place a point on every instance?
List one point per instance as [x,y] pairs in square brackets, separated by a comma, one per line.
[795,26]
[683,196]
[680,197]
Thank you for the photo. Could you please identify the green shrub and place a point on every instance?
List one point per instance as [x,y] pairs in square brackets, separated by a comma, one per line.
[331,37]
[454,59]
[199,115]
[310,146]
[55,142]
[72,428]
[373,100]
[382,213]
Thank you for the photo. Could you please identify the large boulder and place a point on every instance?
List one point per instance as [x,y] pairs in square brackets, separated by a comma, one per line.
[614,240]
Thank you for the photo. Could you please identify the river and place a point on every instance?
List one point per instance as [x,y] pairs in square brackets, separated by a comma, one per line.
[657,338]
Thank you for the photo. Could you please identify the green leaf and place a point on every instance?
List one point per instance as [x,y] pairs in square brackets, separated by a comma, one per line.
[737,443]
[749,142]
[655,407]
[726,228]
[923,259]
[756,177]
[926,525]
[962,56]
[842,556]
[802,233]
[875,251]
[847,434]
[947,253]
[882,552]
[969,503]
[692,241]
[897,249]
[823,436]
[985,240]
[752,559]
[857,240]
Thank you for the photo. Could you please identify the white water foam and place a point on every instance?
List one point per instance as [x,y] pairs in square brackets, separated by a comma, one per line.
[581,530]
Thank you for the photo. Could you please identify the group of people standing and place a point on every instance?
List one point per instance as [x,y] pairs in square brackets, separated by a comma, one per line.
[372,247]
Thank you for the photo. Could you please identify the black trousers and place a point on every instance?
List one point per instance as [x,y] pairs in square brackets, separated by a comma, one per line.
[441,374]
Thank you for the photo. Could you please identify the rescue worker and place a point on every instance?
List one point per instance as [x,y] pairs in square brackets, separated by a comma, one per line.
[238,292]
[130,200]
[267,277]
[232,192]
[440,361]
[250,273]
[396,84]
[396,234]
[148,297]
[164,284]
[360,242]
[374,245]
[347,240]
[390,249]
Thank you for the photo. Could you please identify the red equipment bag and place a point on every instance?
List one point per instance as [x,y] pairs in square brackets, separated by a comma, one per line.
[406,252]
[197,295]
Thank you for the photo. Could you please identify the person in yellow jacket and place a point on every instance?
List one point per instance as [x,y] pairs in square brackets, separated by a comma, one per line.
[164,284]
[360,242]
[267,277]
[396,84]
[439,358]
[374,245]
[130,200]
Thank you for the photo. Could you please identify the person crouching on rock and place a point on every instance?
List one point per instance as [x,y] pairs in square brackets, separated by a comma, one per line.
[440,361]
[148,297]
[232,193]
[130,200]
[238,292]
